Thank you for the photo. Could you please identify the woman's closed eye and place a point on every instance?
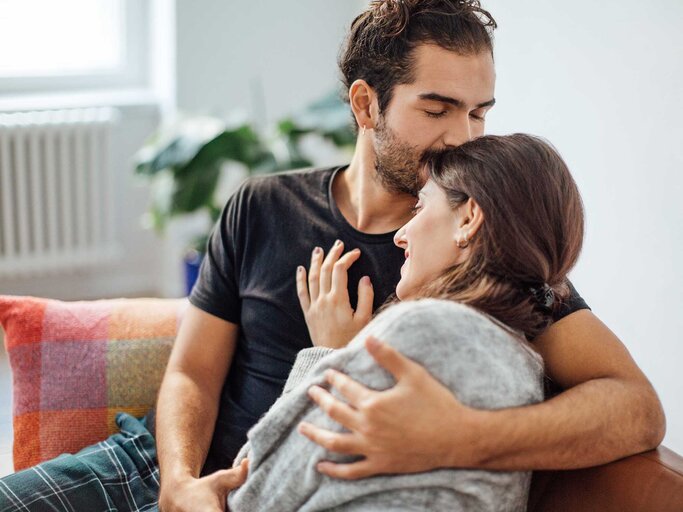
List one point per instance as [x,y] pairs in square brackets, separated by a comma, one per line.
[416,209]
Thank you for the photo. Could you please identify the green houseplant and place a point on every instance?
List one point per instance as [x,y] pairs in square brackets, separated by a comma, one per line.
[185,162]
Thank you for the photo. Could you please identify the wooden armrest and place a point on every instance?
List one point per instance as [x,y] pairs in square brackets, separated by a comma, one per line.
[644,482]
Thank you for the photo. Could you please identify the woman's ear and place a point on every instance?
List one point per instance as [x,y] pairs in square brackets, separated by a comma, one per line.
[363,101]
[469,221]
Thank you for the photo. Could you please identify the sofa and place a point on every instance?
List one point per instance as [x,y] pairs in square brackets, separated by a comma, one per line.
[76,364]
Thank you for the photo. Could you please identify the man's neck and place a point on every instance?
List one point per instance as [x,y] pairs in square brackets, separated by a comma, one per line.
[363,201]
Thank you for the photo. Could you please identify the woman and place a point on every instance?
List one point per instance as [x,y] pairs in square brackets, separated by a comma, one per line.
[498,225]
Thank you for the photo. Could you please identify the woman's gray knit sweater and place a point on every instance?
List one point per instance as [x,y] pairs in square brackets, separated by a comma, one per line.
[484,364]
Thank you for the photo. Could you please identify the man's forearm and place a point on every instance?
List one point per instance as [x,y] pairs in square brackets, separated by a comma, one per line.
[590,424]
[183,426]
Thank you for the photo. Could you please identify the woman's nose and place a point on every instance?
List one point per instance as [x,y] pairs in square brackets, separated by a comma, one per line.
[400,238]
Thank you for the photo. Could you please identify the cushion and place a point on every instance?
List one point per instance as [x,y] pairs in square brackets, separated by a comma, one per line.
[76,364]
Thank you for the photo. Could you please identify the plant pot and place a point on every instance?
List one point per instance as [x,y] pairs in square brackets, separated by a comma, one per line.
[192,261]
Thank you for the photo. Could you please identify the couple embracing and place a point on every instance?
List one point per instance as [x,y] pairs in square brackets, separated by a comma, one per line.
[398,333]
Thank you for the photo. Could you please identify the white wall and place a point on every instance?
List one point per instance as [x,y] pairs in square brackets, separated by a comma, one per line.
[265,57]
[603,81]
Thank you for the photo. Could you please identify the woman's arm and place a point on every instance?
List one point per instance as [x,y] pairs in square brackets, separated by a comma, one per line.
[306,359]
[470,355]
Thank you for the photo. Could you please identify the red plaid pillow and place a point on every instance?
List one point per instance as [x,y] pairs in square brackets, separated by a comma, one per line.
[76,364]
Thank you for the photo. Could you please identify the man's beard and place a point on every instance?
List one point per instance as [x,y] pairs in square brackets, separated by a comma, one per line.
[397,163]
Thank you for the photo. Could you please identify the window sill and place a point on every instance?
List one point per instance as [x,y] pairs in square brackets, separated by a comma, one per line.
[134,99]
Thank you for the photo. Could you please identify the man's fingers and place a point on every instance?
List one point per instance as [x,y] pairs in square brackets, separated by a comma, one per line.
[352,471]
[328,265]
[229,479]
[314,273]
[336,409]
[331,441]
[353,392]
[302,289]
[340,272]
[389,358]
[365,297]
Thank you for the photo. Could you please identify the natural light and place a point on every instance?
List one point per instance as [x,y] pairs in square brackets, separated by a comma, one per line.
[57,38]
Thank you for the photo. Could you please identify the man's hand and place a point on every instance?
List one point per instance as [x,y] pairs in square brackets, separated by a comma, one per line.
[405,429]
[607,411]
[208,494]
[325,299]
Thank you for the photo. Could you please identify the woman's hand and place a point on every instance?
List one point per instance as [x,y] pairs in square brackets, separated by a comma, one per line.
[417,425]
[331,320]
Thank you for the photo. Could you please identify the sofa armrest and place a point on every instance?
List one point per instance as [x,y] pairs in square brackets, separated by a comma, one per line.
[644,482]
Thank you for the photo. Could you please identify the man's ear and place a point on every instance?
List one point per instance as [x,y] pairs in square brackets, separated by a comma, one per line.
[470,220]
[363,101]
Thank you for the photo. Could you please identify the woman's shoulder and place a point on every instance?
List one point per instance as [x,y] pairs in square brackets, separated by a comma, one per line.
[428,311]
[441,318]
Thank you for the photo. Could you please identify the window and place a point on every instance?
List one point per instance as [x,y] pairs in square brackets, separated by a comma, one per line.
[72,44]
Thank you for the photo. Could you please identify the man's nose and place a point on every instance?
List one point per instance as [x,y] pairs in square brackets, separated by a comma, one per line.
[459,132]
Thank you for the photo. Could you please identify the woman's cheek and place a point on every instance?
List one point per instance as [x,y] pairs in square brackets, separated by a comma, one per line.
[403,284]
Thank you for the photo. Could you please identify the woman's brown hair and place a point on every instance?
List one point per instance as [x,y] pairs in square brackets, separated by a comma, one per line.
[532,232]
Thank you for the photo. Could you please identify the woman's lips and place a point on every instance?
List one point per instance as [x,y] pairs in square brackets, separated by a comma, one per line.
[406,254]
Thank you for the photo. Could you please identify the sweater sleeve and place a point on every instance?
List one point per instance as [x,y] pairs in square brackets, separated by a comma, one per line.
[485,365]
[305,360]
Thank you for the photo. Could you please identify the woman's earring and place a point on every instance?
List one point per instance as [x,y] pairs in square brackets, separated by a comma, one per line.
[463,243]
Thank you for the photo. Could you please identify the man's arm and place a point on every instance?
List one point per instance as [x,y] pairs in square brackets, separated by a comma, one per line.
[187,408]
[609,410]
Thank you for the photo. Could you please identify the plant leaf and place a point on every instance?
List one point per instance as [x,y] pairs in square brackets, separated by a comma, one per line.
[194,190]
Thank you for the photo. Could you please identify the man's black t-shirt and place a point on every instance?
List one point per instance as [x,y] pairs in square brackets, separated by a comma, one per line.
[267,229]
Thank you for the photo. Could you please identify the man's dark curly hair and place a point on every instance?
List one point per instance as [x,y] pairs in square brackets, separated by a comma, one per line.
[379,47]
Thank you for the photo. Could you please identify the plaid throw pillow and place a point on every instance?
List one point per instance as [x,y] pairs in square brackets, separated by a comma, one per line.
[76,364]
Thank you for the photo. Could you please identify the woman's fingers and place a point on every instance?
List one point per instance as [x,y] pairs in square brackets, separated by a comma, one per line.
[340,272]
[302,289]
[328,265]
[366,296]
[314,273]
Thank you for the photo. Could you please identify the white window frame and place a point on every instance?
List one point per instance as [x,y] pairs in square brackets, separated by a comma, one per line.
[134,74]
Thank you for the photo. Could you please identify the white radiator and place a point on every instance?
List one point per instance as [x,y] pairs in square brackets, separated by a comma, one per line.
[56,191]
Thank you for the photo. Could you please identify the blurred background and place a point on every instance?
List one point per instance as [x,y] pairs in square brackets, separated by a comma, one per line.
[150,91]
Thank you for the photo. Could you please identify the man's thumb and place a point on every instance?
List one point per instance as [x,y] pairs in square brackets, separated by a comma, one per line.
[232,478]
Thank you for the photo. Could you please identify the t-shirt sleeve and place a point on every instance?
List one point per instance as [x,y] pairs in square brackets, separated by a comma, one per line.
[572,304]
[217,288]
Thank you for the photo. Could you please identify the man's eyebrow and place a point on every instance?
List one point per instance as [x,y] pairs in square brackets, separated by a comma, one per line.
[452,101]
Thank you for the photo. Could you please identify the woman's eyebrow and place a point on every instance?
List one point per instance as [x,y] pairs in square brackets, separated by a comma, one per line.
[433,96]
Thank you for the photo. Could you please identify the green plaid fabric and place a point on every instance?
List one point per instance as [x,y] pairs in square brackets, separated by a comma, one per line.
[118,474]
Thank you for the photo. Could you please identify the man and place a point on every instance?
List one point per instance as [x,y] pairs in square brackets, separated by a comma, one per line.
[419,76]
